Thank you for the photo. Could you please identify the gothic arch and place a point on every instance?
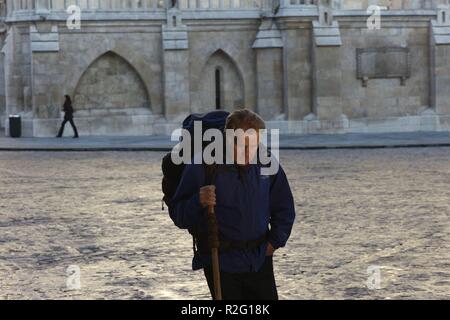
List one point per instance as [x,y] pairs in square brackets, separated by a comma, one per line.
[111,82]
[78,64]
[232,89]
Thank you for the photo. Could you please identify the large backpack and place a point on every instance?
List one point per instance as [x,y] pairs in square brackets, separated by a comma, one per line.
[172,172]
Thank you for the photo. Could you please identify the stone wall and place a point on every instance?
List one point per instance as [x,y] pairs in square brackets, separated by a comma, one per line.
[391,4]
[110,82]
[2,85]
[231,85]
[230,48]
[385,97]
[297,66]
[3,30]
[74,68]
[303,70]
[18,69]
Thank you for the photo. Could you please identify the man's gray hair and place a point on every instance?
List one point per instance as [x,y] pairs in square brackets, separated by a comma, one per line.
[244,119]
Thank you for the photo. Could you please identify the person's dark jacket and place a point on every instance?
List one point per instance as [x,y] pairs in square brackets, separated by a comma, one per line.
[245,209]
[68,110]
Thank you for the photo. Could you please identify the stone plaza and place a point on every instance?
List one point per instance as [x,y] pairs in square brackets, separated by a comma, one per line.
[358,211]
[365,81]
[138,67]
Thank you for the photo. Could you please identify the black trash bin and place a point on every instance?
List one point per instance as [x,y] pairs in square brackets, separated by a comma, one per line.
[15,126]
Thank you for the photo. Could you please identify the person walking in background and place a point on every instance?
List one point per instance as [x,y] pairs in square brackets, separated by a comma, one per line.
[68,116]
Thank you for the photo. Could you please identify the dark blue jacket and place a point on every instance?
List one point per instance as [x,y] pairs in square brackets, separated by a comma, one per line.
[245,207]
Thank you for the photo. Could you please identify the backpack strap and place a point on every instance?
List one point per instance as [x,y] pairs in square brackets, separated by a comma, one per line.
[210,173]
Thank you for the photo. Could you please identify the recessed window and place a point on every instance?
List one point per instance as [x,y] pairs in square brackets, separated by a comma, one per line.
[218,88]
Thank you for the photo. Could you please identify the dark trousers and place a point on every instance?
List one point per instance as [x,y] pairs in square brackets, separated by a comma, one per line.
[61,130]
[246,286]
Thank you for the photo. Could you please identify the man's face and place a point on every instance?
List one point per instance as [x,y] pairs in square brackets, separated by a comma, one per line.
[246,149]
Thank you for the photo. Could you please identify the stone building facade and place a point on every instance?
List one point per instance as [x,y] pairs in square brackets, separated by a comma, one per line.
[138,67]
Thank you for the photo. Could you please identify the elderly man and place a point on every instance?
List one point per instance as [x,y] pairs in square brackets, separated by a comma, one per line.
[246,204]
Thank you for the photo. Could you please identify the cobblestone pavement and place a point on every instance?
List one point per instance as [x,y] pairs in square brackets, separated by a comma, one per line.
[102,212]
[160,143]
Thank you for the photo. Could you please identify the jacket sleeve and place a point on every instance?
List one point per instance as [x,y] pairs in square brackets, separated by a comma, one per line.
[282,210]
[185,209]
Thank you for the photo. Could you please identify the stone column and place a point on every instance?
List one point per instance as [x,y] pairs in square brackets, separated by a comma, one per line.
[327,74]
[176,67]
[269,70]
[9,4]
[439,67]
[46,78]
[42,6]
[13,81]
[284,4]
[10,83]
[17,79]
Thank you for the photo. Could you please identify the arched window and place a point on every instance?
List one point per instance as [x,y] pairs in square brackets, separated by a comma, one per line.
[218,83]
[221,85]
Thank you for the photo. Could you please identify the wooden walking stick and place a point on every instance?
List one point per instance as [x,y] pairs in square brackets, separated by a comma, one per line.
[213,236]
[213,240]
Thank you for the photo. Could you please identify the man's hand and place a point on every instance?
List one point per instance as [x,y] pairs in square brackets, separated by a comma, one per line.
[207,196]
[270,249]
